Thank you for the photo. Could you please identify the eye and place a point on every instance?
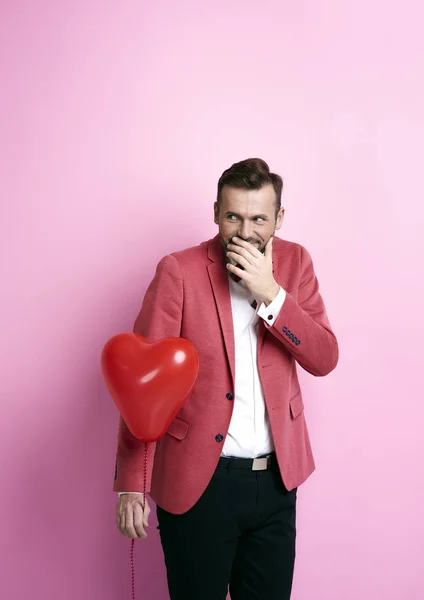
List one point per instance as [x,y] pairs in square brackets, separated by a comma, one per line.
[259,219]
[232,217]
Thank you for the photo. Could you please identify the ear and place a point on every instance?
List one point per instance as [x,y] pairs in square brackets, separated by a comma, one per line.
[216,213]
[280,218]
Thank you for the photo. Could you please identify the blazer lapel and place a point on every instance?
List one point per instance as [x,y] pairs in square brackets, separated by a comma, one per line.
[218,276]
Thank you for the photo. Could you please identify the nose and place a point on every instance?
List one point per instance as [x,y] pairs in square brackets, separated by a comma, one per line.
[245,230]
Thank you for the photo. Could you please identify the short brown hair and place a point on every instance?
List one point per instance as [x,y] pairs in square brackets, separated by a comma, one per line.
[251,174]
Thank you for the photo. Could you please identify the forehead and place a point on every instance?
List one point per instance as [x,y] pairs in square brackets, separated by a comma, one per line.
[248,202]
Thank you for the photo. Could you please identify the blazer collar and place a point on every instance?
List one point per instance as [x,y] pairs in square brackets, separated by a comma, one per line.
[215,250]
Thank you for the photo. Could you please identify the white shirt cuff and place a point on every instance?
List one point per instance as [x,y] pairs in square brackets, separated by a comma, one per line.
[120,493]
[270,313]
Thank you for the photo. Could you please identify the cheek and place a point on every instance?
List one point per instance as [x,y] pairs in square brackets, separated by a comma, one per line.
[264,231]
[227,229]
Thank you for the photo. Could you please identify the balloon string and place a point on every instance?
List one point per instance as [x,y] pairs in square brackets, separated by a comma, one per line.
[132,569]
[143,503]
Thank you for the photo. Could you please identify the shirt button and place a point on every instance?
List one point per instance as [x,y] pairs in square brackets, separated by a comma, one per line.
[270,317]
[229,396]
[219,437]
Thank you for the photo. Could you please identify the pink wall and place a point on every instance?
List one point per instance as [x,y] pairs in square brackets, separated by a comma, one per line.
[117,120]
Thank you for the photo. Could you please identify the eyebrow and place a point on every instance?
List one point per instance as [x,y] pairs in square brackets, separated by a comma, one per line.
[231,212]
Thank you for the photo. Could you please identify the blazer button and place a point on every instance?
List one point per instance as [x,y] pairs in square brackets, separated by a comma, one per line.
[219,437]
[229,396]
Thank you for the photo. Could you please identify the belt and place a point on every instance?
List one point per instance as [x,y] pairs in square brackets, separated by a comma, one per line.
[254,464]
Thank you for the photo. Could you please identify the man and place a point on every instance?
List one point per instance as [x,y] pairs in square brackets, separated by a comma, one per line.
[225,475]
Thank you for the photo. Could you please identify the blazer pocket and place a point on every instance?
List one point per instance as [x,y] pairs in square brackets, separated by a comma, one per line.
[296,405]
[178,428]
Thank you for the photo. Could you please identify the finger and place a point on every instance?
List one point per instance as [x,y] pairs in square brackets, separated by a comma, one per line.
[120,516]
[242,252]
[250,248]
[240,260]
[146,515]
[139,520]
[268,248]
[129,522]
[239,272]
[121,522]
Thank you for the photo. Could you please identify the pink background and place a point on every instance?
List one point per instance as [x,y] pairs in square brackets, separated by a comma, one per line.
[117,119]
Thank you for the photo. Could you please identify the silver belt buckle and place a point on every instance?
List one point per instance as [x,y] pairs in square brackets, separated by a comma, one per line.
[260,464]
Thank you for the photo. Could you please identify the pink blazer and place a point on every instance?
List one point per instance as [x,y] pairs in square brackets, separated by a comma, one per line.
[189,297]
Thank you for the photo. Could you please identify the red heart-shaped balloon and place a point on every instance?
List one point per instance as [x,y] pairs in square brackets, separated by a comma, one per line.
[149,381]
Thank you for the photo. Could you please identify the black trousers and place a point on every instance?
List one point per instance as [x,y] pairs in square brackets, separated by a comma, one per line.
[240,535]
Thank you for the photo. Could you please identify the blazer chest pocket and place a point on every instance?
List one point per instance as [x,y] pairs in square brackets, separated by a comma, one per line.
[296,405]
[178,429]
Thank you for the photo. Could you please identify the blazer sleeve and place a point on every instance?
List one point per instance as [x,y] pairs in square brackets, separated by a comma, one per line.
[160,317]
[303,326]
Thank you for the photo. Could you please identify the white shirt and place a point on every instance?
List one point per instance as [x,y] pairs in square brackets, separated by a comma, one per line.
[249,433]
